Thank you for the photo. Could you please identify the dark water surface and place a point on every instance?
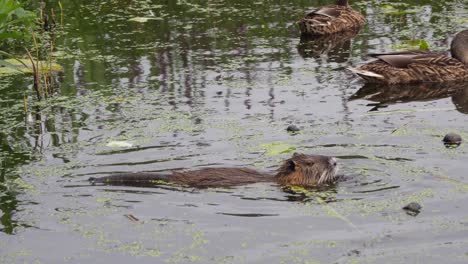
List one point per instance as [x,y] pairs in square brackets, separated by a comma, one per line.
[213,83]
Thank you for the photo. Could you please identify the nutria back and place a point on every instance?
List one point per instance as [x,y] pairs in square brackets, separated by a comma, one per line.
[202,178]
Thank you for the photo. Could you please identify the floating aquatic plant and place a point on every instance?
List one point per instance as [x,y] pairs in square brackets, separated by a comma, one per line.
[18,66]
[277,148]
[420,44]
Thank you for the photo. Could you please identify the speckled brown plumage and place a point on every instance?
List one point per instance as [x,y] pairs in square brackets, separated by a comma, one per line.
[419,66]
[332,19]
[300,169]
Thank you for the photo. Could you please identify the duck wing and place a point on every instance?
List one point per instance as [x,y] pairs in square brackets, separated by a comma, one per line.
[328,11]
[403,59]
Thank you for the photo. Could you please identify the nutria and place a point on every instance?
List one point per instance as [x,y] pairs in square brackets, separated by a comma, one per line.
[300,169]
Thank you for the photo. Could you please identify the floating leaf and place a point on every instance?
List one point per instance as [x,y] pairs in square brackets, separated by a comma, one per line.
[277,148]
[119,144]
[412,44]
[402,9]
[16,66]
[423,45]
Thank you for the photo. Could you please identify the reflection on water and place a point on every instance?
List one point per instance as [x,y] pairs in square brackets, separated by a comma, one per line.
[336,46]
[385,95]
[460,99]
[210,83]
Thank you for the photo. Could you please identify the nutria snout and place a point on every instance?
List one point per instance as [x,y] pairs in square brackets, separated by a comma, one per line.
[300,169]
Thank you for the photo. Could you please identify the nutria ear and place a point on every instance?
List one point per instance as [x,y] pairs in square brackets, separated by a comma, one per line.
[295,154]
[292,165]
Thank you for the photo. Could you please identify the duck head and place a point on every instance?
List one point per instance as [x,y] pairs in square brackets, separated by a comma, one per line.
[342,2]
[459,47]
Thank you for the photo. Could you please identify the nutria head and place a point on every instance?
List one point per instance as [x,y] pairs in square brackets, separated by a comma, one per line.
[459,47]
[307,170]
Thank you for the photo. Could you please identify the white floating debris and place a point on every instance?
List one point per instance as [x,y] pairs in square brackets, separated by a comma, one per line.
[143,19]
[119,144]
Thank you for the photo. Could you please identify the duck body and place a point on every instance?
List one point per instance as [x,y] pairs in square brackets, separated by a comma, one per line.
[419,66]
[331,19]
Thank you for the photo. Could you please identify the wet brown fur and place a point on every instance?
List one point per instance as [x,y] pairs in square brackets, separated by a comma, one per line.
[332,19]
[300,169]
[419,66]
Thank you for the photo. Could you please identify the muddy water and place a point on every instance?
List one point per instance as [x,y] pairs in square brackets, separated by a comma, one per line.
[216,83]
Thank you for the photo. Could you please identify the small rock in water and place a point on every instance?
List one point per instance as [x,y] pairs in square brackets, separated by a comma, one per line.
[413,209]
[354,252]
[452,140]
[293,129]
[197,120]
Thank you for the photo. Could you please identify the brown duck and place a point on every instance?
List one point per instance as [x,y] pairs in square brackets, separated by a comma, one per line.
[419,66]
[332,19]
